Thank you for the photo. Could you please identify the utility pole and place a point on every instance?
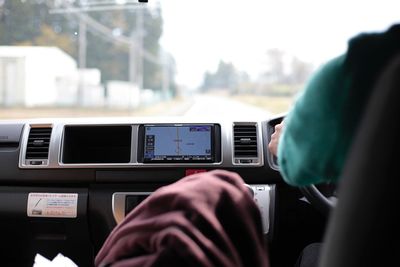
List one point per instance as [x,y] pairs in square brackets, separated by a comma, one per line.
[139,35]
[82,43]
[165,72]
[135,42]
[82,60]
[132,58]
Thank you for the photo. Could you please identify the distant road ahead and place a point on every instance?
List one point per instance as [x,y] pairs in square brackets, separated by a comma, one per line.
[210,106]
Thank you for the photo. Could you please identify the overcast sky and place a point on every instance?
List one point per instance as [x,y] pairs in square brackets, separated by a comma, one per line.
[201,32]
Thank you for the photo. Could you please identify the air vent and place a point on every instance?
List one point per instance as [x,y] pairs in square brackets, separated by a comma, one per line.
[245,137]
[38,143]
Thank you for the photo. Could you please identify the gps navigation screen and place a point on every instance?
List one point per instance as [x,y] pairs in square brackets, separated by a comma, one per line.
[190,143]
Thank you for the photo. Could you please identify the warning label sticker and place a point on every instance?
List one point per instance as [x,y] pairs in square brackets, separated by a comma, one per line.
[52,205]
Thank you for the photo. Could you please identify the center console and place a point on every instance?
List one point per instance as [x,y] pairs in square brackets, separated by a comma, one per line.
[263,195]
[120,162]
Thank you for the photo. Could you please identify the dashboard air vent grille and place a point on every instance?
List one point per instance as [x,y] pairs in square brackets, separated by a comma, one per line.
[38,143]
[245,138]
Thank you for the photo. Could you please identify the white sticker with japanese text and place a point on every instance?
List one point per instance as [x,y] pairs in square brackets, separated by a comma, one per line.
[58,205]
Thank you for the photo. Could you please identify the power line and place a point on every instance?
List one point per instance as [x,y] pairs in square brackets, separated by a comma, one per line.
[134,42]
[104,30]
[95,8]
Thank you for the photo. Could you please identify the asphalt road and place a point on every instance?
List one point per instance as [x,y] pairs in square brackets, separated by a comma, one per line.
[210,106]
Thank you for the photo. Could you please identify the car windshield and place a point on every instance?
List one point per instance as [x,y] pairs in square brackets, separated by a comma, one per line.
[86,58]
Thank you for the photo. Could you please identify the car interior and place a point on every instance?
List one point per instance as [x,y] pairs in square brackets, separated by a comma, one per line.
[103,170]
[65,183]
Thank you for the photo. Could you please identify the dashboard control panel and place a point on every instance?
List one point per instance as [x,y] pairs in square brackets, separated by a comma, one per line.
[141,144]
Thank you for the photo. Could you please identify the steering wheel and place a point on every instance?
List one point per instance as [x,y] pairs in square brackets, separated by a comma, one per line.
[314,196]
[321,202]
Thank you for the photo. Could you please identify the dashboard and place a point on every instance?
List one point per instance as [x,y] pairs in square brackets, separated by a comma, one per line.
[84,144]
[66,183]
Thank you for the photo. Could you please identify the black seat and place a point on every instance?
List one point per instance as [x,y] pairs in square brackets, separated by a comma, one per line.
[365,225]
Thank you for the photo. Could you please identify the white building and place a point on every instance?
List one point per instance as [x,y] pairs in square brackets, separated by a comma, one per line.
[92,93]
[122,95]
[37,76]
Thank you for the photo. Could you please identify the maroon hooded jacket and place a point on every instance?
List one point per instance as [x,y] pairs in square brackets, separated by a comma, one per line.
[207,219]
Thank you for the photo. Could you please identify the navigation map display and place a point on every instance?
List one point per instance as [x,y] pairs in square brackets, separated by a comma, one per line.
[183,143]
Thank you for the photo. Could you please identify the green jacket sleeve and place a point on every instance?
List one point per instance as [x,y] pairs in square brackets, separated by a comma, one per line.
[312,146]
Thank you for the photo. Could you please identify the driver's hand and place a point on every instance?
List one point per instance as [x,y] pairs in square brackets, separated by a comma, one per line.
[273,144]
